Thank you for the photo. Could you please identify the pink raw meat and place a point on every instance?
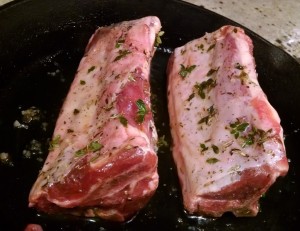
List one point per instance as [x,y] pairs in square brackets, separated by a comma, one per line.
[228,142]
[103,158]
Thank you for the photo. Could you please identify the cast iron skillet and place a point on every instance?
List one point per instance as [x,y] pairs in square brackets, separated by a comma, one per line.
[41,44]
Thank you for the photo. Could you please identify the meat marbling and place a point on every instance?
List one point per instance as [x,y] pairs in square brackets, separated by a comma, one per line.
[103,158]
[228,142]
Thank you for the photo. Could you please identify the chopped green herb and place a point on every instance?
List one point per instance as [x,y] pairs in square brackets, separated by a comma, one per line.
[91,69]
[211,47]
[184,71]
[203,147]
[205,85]
[158,38]
[54,143]
[200,47]
[252,136]
[80,152]
[256,135]
[212,160]
[94,146]
[248,140]
[211,113]
[215,149]
[119,42]
[82,82]
[122,54]
[142,110]
[123,120]
[237,128]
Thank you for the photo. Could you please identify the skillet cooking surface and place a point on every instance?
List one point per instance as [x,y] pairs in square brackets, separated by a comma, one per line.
[41,44]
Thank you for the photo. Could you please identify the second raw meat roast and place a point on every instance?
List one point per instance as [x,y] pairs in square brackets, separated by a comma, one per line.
[228,142]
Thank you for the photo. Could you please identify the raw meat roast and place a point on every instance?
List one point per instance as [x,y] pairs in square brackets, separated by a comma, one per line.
[228,142]
[103,158]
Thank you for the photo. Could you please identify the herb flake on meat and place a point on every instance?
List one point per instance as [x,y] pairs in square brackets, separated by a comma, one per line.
[122,54]
[184,71]
[249,134]
[212,160]
[211,47]
[119,43]
[94,146]
[123,120]
[91,69]
[211,113]
[215,149]
[142,111]
[203,147]
[205,87]
[237,128]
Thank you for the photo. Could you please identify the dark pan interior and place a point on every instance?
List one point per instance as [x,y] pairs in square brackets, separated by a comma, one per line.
[41,44]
